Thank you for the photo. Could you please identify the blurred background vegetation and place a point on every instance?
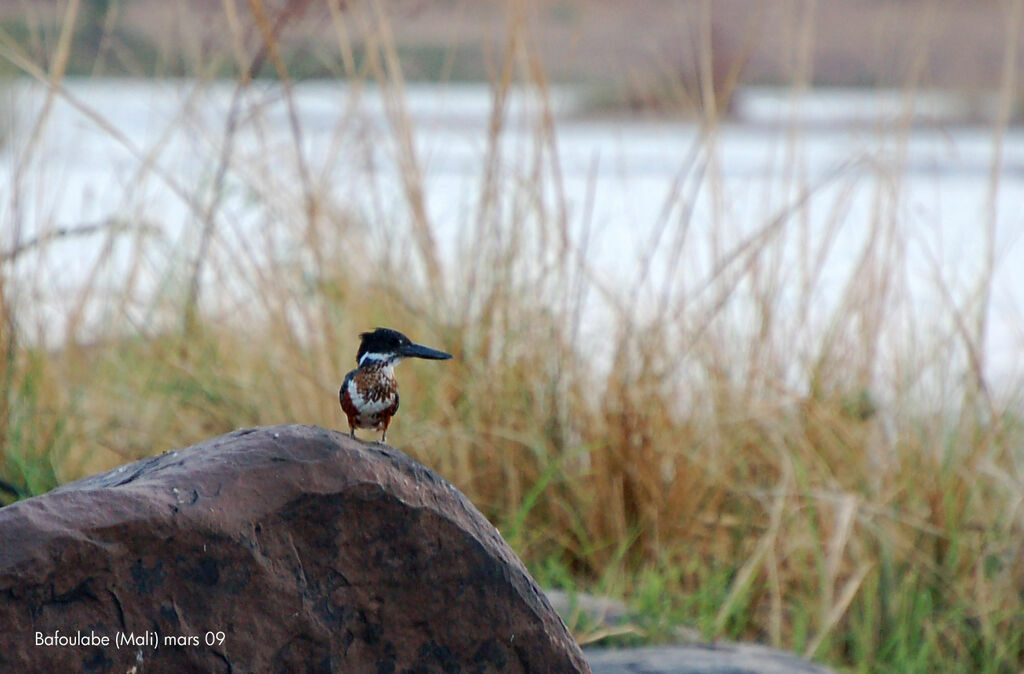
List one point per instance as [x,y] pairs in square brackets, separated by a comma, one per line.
[647,59]
[820,499]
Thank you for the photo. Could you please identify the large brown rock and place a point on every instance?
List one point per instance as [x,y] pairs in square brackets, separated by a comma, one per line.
[285,549]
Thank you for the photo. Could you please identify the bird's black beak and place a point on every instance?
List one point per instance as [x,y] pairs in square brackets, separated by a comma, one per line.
[419,351]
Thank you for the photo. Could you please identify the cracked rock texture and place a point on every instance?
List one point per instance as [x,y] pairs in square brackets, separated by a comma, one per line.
[290,548]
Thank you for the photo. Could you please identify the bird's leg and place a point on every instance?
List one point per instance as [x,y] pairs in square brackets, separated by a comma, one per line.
[384,436]
[352,431]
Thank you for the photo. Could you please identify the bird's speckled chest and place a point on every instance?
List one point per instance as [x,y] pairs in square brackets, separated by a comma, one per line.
[369,396]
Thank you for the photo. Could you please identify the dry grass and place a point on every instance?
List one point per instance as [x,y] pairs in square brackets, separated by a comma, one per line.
[834,479]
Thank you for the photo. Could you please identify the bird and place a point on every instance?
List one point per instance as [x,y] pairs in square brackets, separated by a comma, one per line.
[369,393]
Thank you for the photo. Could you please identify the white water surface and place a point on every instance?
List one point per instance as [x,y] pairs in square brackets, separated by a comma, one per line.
[827,167]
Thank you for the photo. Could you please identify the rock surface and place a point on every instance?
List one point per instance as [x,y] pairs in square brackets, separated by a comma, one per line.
[274,550]
[700,659]
[687,654]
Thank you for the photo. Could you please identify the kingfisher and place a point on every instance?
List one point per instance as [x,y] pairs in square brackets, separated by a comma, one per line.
[369,393]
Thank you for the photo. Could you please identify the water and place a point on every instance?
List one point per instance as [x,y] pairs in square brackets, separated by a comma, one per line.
[146,153]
